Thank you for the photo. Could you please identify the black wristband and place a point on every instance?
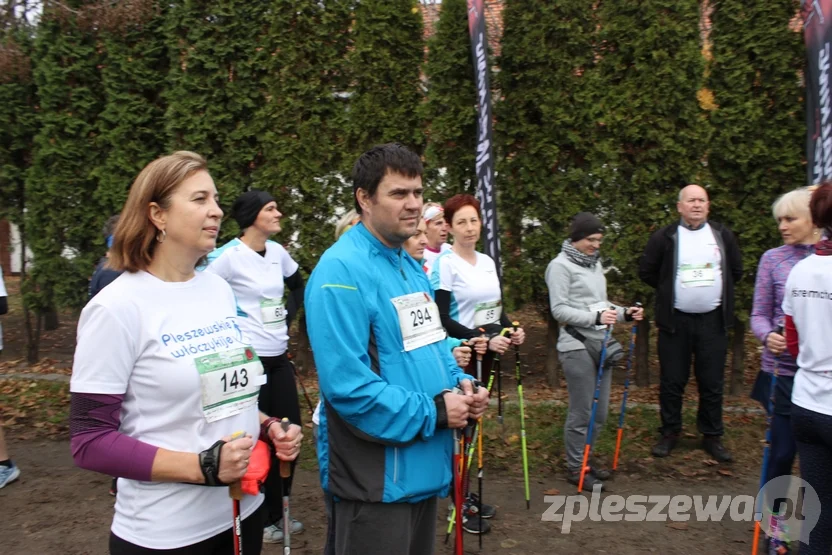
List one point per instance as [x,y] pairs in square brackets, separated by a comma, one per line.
[598,318]
[441,411]
[628,317]
[209,463]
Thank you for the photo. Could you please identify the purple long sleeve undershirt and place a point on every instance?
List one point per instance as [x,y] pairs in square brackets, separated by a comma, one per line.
[767,312]
[97,444]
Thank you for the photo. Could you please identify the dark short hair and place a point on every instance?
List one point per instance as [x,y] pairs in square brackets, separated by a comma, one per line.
[109,226]
[373,165]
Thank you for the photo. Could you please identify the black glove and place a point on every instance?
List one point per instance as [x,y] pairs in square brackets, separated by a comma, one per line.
[209,463]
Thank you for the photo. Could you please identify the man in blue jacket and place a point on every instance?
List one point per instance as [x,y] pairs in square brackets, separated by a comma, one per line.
[386,377]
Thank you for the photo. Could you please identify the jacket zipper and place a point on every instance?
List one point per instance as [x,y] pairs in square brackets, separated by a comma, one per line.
[395,464]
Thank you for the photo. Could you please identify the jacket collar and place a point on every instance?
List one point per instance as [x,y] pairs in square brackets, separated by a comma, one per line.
[376,244]
[683,223]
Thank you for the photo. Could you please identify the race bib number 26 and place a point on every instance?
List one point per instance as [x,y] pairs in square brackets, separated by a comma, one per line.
[418,320]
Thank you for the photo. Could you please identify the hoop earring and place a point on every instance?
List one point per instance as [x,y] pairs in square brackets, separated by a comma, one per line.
[163,236]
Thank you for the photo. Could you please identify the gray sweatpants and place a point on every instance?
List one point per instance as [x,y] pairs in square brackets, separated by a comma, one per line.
[381,528]
[581,372]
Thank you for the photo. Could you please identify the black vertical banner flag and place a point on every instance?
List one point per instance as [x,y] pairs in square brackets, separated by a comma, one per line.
[486,190]
[817,32]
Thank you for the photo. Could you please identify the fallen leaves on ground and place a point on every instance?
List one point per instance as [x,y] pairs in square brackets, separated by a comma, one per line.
[35,408]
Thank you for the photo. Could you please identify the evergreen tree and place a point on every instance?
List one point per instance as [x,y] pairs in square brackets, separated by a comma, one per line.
[544,134]
[302,120]
[757,116]
[385,62]
[132,126]
[215,89]
[62,217]
[650,135]
[17,120]
[451,107]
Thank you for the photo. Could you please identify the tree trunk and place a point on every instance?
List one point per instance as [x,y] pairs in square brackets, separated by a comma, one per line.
[50,319]
[552,362]
[32,332]
[643,354]
[738,358]
[306,362]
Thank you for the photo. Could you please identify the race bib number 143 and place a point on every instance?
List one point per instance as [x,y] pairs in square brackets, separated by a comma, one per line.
[230,382]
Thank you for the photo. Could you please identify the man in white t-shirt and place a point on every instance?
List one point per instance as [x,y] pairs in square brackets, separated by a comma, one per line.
[693,265]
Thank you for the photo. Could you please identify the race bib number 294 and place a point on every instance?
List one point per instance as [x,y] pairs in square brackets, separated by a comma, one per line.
[418,320]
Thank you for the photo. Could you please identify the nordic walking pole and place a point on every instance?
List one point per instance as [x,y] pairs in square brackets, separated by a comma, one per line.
[522,417]
[458,488]
[496,367]
[302,388]
[285,475]
[633,335]
[479,448]
[767,447]
[235,491]
[588,445]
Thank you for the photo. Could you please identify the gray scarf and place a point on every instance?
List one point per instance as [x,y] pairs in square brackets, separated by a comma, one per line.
[577,256]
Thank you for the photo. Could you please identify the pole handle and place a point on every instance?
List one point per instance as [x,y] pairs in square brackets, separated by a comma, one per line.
[285,466]
[235,490]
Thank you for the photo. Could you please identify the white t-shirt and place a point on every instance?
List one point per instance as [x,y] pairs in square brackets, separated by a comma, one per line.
[807,298]
[698,271]
[476,299]
[257,282]
[143,337]
[3,293]
[431,255]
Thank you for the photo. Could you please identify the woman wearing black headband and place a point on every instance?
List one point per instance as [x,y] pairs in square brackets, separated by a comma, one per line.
[259,270]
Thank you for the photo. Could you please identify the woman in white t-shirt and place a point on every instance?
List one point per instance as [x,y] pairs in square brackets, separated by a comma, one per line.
[466,283]
[163,376]
[807,305]
[259,270]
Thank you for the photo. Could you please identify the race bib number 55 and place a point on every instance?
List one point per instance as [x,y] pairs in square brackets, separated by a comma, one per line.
[418,320]
[230,382]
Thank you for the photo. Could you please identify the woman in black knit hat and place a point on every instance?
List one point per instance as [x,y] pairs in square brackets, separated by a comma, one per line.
[578,299]
[259,271]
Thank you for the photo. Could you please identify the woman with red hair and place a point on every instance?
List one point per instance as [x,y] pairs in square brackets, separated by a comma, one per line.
[468,294]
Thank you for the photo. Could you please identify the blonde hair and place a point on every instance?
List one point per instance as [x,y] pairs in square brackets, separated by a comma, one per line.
[347,221]
[794,203]
[134,241]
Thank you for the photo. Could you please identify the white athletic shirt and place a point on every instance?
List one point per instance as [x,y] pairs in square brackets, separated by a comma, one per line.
[257,282]
[807,298]
[698,286]
[139,337]
[430,255]
[3,293]
[476,299]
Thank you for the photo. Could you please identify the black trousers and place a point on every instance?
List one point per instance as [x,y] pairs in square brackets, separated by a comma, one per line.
[358,528]
[221,544]
[813,433]
[278,397]
[703,338]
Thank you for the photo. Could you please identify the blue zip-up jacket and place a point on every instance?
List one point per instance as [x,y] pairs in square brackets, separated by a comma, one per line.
[377,440]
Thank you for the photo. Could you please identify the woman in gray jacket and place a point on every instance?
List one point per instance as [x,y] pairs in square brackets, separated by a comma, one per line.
[578,299]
